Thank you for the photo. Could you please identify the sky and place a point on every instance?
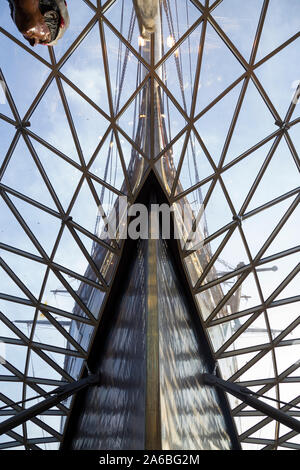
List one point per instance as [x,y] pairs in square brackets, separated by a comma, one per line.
[85,69]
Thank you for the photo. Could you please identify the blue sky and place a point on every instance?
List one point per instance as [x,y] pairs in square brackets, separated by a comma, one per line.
[219,69]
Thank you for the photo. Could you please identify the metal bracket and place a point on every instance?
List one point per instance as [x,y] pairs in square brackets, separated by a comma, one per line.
[60,394]
[247,396]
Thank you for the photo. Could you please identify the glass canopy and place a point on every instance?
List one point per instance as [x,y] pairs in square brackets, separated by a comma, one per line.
[81,124]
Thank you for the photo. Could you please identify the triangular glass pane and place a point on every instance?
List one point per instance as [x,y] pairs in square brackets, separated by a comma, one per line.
[23,175]
[9,287]
[281,23]
[126,72]
[266,220]
[272,274]
[28,271]
[7,132]
[246,296]
[135,119]
[221,333]
[42,368]
[11,231]
[90,244]
[239,22]
[69,254]
[263,369]
[232,257]
[288,392]
[266,432]
[191,223]
[169,121]
[85,210]
[197,261]
[176,21]
[47,334]
[254,335]
[21,315]
[56,295]
[239,178]
[195,166]
[12,390]
[54,129]
[136,164]
[16,356]
[166,165]
[123,17]
[287,356]
[35,431]
[80,14]
[90,124]
[283,316]
[23,86]
[255,122]
[217,211]
[228,372]
[108,199]
[292,289]
[5,332]
[219,69]
[63,176]
[281,91]
[44,226]
[194,198]
[107,164]
[281,176]
[86,70]
[178,71]
[213,130]
[90,296]
[55,424]
[58,359]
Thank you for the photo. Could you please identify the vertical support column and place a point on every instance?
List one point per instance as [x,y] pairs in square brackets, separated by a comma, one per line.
[153,416]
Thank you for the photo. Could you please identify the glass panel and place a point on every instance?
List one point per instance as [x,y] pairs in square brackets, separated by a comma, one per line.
[23,86]
[126,71]
[212,130]
[246,134]
[195,165]
[86,70]
[54,130]
[281,23]
[239,179]
[23,175]
[281,90]
[275,181]
[178,71]
[267,220]
[239,22]
[219,69]
[80,14]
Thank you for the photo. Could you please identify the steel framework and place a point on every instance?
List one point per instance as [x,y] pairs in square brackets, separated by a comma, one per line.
[16,200]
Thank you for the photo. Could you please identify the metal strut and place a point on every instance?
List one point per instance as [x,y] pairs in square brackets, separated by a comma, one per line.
[246,395]
[60,394]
